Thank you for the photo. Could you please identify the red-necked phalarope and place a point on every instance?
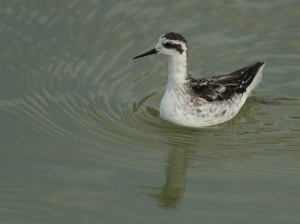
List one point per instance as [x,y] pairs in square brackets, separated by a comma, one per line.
[201,102]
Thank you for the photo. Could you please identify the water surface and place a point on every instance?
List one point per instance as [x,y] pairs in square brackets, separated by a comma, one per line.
[81,136]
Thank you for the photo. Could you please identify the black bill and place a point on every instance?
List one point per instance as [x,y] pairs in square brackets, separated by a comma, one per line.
[153,51]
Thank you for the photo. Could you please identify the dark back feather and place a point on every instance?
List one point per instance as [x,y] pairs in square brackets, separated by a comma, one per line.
[225,86]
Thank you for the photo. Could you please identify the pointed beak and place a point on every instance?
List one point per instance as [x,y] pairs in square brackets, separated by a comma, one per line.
[153,51]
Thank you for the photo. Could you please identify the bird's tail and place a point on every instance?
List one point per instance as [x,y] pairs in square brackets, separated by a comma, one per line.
[257,79]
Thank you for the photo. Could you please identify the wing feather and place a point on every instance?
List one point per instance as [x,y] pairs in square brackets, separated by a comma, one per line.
[225,86]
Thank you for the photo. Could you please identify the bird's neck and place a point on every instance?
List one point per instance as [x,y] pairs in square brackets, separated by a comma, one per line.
[177,73]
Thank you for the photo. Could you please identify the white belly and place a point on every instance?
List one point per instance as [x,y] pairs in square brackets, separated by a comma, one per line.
[182,111]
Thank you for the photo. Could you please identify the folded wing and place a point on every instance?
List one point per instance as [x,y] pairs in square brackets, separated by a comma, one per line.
[224,87]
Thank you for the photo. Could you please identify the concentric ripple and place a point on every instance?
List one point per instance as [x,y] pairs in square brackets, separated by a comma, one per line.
[81,135]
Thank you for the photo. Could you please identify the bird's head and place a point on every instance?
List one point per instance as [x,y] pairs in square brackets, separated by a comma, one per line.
[171,44]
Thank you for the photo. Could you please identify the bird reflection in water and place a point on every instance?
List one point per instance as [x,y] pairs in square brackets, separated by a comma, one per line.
[171,194]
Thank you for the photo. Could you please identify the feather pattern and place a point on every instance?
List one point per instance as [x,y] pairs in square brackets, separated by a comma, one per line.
[223,87]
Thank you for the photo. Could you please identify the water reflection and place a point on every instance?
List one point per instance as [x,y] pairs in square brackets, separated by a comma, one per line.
[171,193]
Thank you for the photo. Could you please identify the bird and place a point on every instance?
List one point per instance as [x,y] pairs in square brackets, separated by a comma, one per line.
[201,102]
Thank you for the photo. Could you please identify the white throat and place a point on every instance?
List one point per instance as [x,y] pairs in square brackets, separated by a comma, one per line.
[177,71]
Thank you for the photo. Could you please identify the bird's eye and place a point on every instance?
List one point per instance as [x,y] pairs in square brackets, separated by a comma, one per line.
[167,44]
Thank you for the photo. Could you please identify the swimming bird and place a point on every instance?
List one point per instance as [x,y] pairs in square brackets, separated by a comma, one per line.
[201,102]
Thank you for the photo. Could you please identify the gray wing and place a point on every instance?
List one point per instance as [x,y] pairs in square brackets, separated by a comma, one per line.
[225,86]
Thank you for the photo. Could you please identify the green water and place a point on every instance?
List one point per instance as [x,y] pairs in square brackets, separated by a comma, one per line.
[81,137]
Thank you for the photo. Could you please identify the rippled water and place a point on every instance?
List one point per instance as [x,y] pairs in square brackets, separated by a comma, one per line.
[81,136]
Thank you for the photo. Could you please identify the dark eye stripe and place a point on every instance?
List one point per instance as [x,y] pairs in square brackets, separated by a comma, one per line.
[177,47]
[167,45]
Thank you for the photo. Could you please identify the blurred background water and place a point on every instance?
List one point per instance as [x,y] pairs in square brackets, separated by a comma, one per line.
[81,137]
